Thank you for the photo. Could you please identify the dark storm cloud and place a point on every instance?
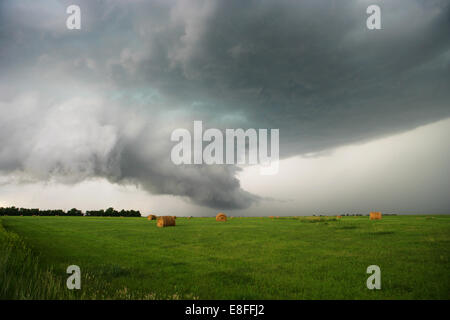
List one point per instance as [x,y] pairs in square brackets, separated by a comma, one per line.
[313,69]
[102,101]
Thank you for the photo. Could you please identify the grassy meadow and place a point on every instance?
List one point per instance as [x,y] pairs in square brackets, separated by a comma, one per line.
[243,258]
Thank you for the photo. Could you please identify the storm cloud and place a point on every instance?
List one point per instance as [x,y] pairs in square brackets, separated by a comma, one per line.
[102,101]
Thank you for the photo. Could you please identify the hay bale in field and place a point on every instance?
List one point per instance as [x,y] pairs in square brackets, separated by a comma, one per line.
[339,217]
[271,217]
[151,217]
[174,217]
[221,217]
[165,221]
[375,216]
[277,217]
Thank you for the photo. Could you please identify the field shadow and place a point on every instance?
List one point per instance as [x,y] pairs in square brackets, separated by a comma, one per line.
[348,227]
[382,233]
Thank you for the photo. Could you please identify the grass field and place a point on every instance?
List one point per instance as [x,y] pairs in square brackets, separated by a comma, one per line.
[243,258]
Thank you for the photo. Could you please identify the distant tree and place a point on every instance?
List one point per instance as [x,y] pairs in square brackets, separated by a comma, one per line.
[74,212]
[109,212]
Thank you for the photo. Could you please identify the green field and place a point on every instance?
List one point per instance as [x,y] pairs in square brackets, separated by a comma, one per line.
[243,258]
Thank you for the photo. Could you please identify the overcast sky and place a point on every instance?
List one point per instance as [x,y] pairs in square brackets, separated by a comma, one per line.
[86,115]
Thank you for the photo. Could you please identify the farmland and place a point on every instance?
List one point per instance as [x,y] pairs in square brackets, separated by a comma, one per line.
[243,258]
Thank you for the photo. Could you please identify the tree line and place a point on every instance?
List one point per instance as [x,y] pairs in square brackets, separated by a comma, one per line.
[110,212]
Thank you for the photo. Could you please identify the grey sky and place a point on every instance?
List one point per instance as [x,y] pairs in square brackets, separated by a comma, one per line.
[101,102]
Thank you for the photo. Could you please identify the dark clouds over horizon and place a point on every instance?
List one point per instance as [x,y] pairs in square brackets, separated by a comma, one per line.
[102,101]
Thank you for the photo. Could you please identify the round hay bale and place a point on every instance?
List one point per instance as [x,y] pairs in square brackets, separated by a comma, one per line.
[375,216]
[151,217]
[221,217]
[271,217]
[165,221]
[339,217]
